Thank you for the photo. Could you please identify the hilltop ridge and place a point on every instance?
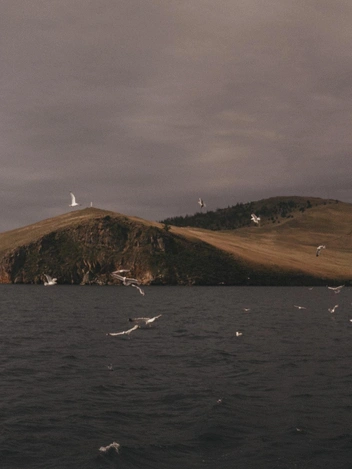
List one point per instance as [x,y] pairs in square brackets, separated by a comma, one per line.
[85,246]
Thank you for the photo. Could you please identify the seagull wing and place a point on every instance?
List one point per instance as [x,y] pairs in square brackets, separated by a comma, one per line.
[128,332]
[131,281]
[73,198]
[48,278]
[153,319]
[119,277]
[138,288]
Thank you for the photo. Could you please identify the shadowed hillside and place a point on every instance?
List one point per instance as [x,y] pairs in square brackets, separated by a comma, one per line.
[85,246]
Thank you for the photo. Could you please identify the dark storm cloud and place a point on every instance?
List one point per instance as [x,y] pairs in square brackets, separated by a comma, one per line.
[142,107]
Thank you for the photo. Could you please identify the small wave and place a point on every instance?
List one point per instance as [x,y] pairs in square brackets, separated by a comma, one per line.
[113,446]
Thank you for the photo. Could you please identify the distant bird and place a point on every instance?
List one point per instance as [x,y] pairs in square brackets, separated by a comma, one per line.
[120,271]
[128,282]
[201,203]
[332,310]
[255,218]
[238,334]
[73,201]
[113,445]
[128,332]
[319,248]
[110,368]
[145,321]
[299,307]
[336,289]
[246,309]
[49,280]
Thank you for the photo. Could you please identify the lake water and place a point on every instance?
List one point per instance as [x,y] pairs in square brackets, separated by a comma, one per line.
[184,393]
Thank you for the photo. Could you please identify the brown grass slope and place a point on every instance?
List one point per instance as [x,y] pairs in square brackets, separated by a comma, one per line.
[291,244]
[271,249]
[31,233]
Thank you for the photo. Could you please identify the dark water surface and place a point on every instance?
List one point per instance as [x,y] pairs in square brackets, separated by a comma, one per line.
[185,393]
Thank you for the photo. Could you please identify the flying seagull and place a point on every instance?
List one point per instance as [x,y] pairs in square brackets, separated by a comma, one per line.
[319,248]
[332,310]
[255,218]
[145,321]
[336,289]
[201,203]
[128,332]
[113,445]
[73,201]
[49,280]
[238,334]
[299,307]
[128,282]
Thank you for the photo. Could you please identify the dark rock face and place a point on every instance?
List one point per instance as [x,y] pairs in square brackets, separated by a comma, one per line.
[88,252]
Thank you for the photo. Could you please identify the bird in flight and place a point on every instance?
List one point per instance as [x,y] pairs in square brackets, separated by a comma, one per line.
[238,334]
[128,332]
[49,280]
[73,201]
[255,218]
[299,307]
[201,203]
[145,321]
[128,282]
[336,289]
[332,310]
[319,248]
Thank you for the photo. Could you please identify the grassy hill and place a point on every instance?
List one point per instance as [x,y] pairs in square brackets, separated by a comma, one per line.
[271,210]
[290,244]
[85,246]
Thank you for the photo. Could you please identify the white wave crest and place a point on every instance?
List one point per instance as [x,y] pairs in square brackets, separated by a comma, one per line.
[113,445]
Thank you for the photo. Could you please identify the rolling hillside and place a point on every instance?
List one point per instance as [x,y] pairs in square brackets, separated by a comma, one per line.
[85,246]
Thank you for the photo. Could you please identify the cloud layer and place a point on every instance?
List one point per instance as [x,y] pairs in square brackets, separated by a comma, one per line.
[142,107]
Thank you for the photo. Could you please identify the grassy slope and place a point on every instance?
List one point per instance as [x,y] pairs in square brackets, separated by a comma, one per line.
[290,245]
[28,234]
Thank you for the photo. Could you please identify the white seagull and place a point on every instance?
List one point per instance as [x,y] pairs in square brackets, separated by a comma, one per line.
[255,218]
[238,334]
[319,248]
[128,282]
[201,203]
[145,321]
[299,307]
[128,332]
[49,280]
[113,445]
[336,289]
[332,310]
[73,201]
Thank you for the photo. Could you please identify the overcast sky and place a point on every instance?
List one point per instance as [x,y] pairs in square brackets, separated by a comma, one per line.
[142,106]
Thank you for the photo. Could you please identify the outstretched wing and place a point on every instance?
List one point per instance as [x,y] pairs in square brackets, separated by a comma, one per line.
[128,332]
[73,198]
[119,277]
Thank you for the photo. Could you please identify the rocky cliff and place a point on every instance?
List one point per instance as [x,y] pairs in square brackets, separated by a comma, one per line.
[87,249]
